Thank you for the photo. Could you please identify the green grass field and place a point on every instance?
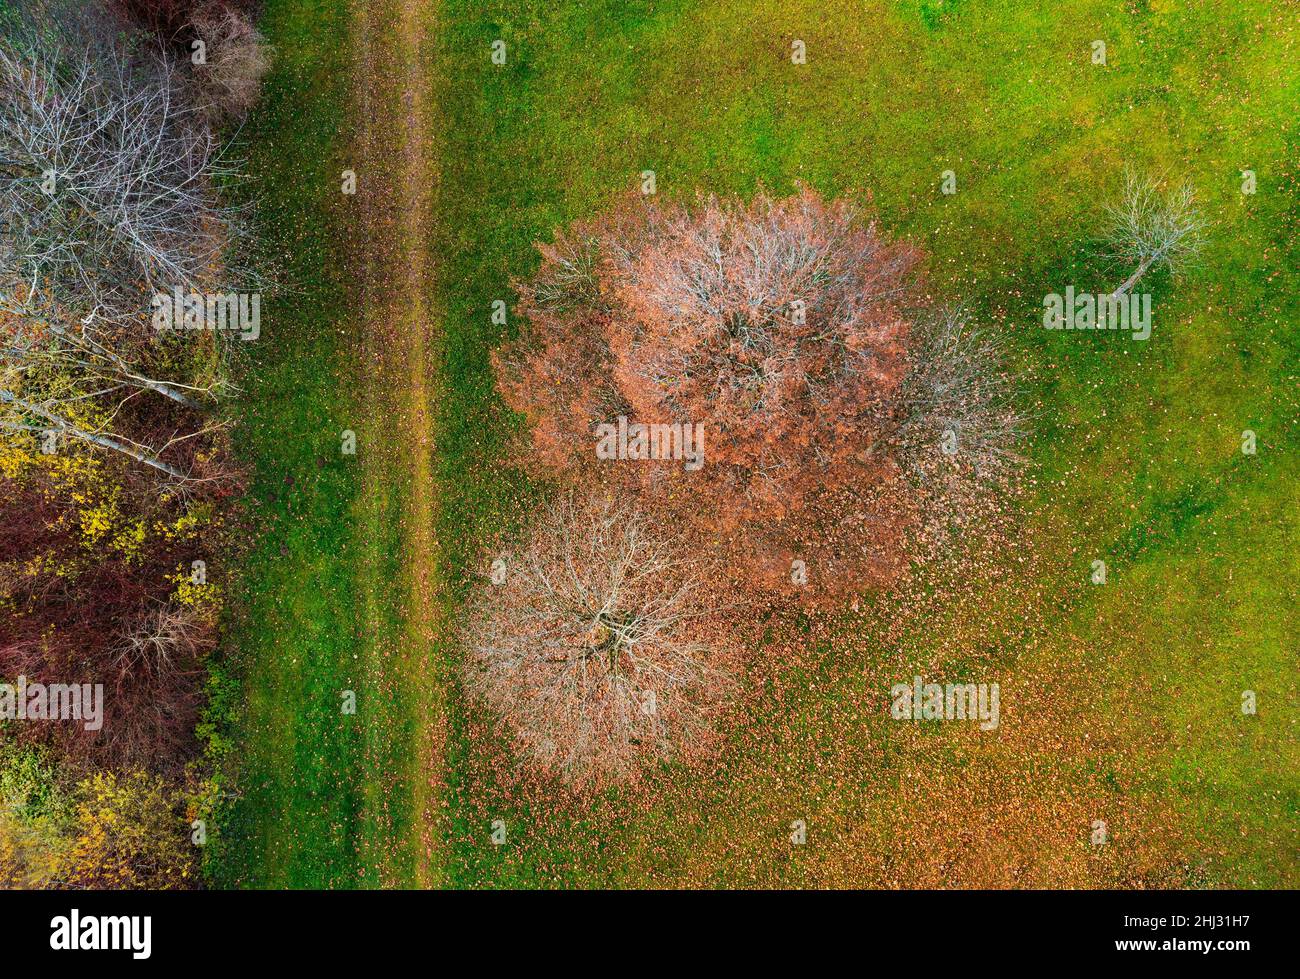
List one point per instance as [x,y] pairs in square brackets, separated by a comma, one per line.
[1126,697]
[291,628]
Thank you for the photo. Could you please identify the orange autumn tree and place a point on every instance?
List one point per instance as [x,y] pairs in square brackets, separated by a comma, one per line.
[845,422]
[777,328]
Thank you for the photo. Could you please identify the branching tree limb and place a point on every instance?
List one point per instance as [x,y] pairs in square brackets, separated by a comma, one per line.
[106,198]
[20,409]
[1150,228]
[599,649]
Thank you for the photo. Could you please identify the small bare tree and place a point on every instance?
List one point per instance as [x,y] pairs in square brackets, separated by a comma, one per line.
[1150,228]
[955,434]
[599,649]
[956,398]
[238,58]
[569,277]
[163,641]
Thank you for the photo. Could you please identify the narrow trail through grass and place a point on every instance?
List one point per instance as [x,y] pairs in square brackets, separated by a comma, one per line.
[342,597]
[405,723]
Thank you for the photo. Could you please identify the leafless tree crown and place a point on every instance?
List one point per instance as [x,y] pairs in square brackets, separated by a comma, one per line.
[957,386]
[106,197]
[105,181]
[1151,227]
[600,649]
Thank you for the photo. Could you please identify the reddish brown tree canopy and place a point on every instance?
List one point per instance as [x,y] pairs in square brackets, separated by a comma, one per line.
[776,328]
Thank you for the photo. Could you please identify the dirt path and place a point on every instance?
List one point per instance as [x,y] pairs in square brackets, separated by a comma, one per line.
[403,615]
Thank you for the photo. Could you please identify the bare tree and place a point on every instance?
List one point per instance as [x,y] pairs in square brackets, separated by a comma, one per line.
[163,641]
[776,326]
[956,398]
[955,434]
[569,277]
[106,198]
[237,58]
[599,649]
[1150,228]
[105,181]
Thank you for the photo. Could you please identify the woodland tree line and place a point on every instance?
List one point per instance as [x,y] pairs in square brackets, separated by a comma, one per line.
[117,121]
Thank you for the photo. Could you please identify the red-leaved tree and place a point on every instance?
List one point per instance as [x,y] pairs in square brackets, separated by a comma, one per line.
[776,329]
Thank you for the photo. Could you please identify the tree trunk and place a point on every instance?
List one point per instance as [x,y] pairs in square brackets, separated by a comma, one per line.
[103,441]
[167,391]
[1132,280]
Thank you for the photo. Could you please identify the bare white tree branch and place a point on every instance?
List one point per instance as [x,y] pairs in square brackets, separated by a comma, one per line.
[1150,228]
[594,648]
